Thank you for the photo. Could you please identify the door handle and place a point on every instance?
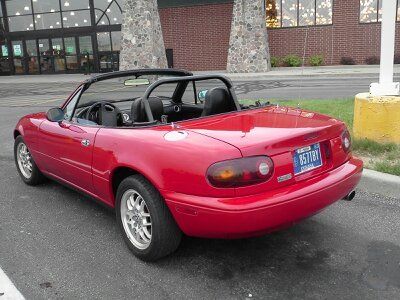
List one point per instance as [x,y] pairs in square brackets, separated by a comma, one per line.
[85,143]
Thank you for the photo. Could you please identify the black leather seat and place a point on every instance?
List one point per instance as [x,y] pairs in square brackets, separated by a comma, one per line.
[217,101]
[138,111]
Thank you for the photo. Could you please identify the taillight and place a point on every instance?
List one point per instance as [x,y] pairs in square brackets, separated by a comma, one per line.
[240,172]
[346,141]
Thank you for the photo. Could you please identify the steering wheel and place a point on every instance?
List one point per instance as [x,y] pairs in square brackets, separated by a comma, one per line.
[104,113]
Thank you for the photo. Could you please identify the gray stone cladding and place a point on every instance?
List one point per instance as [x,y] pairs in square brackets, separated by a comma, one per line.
[142,44]
[248,45]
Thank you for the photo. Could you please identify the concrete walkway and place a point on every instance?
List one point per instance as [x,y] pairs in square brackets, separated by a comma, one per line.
[276,73]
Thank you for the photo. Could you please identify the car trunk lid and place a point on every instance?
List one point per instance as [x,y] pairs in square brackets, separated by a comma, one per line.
[277,132]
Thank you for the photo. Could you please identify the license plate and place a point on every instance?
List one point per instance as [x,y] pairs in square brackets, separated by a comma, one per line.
[307,158]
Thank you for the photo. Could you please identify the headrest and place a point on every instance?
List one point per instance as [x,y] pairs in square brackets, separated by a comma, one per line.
[217,101]
[138,111]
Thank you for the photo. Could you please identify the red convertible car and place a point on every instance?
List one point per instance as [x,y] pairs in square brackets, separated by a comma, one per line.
[177,154]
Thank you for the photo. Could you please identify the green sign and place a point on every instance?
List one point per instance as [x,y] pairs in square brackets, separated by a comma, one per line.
[70,50]
[4,50]
[56,47]
[17,50]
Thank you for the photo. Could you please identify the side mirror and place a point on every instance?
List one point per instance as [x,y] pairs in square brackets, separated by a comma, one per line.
[202,95]
[55,114]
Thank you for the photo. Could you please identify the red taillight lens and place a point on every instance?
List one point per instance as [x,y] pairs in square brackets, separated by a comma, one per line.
[240,172]
[346,141]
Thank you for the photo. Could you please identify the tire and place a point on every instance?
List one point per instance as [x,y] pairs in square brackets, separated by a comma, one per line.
[34,176]
[165,235]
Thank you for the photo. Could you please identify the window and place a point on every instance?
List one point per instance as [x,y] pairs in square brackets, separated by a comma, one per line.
[69,109]
[85,45]
[1,21]
[20,23]
[44,6]
[116,40]
[103,41]
[368,11]
[20,15]
[108,12]
[371,11]
[48,20]
[31,47]
[18,7]
[67,5]
[291,13]
[76,18]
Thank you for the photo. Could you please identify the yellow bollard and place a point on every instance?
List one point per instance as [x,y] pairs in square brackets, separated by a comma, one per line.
[377,118]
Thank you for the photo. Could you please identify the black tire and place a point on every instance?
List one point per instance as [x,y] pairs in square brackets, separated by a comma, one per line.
[36,176]
[165,233]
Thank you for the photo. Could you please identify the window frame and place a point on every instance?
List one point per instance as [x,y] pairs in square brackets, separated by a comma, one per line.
[377,13]
[76,96]
[298,18]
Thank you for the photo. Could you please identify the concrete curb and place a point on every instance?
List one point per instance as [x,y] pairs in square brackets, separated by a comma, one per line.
[380,183]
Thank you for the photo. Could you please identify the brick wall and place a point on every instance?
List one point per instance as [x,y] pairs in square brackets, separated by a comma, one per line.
[198,35]
[345,38]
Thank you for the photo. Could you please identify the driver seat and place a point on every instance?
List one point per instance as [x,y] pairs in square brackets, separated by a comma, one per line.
[138,111]
[110,116]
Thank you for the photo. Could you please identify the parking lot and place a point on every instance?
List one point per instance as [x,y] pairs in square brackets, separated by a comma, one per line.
[56,243]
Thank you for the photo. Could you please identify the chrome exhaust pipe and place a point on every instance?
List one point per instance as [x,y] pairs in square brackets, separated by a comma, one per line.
[350,196]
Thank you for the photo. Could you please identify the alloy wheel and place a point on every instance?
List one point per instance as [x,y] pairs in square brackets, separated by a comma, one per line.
[136,219]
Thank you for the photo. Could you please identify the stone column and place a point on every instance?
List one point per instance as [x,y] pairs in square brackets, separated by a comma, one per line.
[142,44]
[248,45]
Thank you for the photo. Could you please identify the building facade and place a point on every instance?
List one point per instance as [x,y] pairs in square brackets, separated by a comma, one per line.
[71,36]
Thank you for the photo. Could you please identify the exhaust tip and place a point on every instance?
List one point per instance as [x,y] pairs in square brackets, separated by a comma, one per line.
[350,196]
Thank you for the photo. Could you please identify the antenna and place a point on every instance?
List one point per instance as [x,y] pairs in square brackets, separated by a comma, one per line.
[304,58]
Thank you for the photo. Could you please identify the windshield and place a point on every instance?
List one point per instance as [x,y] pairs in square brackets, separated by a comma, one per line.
[121,89]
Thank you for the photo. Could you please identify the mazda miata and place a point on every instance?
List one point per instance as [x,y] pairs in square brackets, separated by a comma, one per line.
[175,153]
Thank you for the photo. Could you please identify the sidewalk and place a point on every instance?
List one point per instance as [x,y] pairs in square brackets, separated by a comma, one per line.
[320,72]
[275,74]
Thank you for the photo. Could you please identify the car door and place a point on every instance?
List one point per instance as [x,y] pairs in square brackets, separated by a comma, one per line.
[68,148]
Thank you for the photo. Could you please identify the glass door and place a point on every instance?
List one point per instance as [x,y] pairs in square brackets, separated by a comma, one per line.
[5,61]
[71,57]
[58,55]
[86,54]
[32,59]
[19,58]
[104,47]
[46,57]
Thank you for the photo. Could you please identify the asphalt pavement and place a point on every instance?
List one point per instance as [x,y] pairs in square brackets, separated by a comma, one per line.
[56,243]
[38,92]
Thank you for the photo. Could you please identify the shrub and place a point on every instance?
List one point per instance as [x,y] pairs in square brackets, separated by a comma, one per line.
[292,61]
[347,61]
[275,61]
[397,58]
[316,60]
[372,60]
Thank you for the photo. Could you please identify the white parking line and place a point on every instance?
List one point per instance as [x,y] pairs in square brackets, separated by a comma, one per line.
[8,291]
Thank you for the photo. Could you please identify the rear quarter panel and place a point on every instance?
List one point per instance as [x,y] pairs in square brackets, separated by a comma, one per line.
[178,166]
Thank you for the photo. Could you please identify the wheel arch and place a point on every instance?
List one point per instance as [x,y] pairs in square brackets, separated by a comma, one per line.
[16,133]
[120,173]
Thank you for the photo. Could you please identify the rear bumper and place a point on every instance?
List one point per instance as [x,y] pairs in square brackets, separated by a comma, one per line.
[262,213]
